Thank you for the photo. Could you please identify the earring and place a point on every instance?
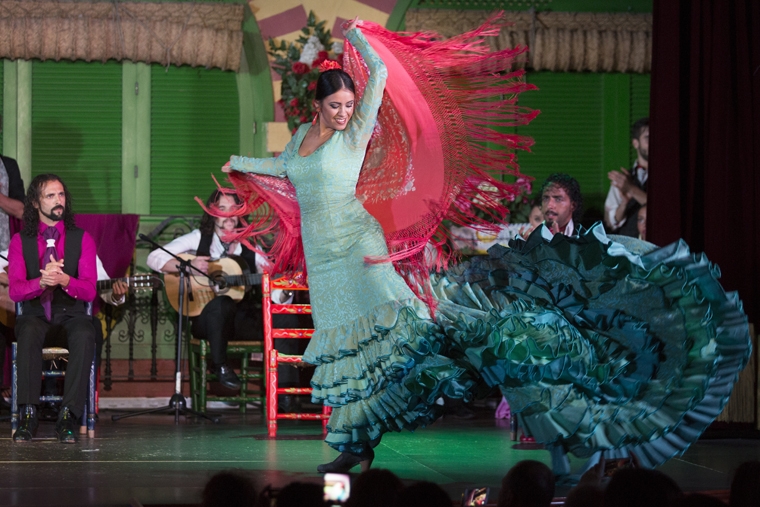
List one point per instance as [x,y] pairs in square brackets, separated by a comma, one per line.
[316,118]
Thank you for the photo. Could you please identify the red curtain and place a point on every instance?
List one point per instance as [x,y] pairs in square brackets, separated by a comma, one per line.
[704,183]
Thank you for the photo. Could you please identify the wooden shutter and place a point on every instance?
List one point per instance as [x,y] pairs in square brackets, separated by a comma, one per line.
[639,100]
[194,130]
[76,130]
[568,132]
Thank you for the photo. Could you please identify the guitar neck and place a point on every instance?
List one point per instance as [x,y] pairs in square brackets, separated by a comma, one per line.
[103,285]
[238,280]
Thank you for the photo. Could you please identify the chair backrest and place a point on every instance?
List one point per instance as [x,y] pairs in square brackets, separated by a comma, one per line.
[20,308]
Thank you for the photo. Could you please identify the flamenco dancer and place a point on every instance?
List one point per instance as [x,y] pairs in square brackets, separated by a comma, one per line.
[599,344]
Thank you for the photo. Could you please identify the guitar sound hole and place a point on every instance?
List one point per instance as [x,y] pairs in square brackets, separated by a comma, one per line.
[219,281]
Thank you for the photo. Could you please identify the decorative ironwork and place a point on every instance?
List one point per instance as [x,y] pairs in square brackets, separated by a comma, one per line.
[145,312]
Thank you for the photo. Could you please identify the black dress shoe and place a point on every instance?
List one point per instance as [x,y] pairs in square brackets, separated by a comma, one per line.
[27,427]
[227,377]
[65,428]
[346,461]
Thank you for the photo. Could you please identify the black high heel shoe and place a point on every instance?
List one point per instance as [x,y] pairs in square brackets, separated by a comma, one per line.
[346,461]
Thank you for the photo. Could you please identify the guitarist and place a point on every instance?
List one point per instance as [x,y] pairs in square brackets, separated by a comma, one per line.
[222,319]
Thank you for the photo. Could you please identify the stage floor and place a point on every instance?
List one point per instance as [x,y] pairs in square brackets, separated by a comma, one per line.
[151,459]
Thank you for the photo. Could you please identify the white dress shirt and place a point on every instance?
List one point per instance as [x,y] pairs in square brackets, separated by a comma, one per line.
[614,198]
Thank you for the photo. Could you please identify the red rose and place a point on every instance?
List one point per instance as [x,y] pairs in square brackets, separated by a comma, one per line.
[321,57]
[304,119]
[312,86]
[293,102]
[300,68]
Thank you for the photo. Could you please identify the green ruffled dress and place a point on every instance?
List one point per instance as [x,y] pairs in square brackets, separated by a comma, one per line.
[596,346]
[598,343]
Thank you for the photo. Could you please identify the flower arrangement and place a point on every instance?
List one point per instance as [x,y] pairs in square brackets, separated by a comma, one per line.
[298,65]
[520,206]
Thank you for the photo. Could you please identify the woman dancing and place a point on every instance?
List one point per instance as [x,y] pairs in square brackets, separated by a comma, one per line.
[597,347]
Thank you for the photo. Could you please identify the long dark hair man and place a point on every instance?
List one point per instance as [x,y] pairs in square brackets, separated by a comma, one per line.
[52,271]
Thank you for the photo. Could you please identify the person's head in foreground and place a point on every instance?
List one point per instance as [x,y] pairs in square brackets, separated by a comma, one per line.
[527,484]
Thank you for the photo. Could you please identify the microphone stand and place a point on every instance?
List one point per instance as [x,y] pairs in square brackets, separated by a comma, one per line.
[177,402]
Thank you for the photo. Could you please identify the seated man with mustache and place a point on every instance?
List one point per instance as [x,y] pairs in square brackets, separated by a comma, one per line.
[221,320]
[52,272]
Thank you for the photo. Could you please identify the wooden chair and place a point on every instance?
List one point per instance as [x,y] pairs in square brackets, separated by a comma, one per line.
[200,378]
[272,358]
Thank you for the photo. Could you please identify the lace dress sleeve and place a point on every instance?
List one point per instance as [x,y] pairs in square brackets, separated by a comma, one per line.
[362,123]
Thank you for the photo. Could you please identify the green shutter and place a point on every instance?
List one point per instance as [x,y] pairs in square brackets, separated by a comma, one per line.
[568,133]
[76,130]
[639,100]
[194,130]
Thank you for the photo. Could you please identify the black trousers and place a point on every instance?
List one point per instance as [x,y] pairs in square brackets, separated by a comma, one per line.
[223,320]
[31,333]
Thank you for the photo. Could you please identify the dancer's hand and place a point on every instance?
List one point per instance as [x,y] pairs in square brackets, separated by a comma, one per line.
[226,168]
[350,25]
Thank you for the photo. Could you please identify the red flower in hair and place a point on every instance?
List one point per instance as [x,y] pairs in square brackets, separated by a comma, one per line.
[329,65]
[300,68]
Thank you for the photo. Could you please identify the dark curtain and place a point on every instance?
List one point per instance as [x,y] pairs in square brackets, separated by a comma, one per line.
[704,183]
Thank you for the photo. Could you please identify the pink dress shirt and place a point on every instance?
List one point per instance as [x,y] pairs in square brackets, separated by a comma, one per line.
[82,287]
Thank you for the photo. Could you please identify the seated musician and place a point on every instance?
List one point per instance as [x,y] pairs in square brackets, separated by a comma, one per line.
[116,296]
[52,271]
[222,319]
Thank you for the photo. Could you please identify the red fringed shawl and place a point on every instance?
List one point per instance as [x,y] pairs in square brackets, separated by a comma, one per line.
[438,152]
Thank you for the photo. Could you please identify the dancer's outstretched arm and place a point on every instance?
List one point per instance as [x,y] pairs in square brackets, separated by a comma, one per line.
[362,123]
[273,166]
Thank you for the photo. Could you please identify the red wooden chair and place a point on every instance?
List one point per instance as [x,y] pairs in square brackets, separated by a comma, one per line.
[272,358]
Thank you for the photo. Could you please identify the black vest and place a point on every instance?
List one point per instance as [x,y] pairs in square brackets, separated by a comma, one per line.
[253,296]
[62,302]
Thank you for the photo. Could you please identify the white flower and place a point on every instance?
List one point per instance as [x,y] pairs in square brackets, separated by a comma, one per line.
[337,47]
[311,50]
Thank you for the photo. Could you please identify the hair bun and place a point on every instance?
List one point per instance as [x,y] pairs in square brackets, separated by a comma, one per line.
[329,65]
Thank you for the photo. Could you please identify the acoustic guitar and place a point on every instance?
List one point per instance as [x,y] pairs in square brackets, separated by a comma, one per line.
[230,276]
[135,283]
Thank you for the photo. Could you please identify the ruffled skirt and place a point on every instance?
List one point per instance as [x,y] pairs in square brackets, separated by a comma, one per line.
[597,345]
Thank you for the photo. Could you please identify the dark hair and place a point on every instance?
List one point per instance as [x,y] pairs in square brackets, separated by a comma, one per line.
[301,494]
[527,484]
[229,489]
[569,185]
[745,487]
[638,127]
[424,494]
[375,488]
[31,216]
[331,81]
[208,221]
[640,487]
[585,495]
